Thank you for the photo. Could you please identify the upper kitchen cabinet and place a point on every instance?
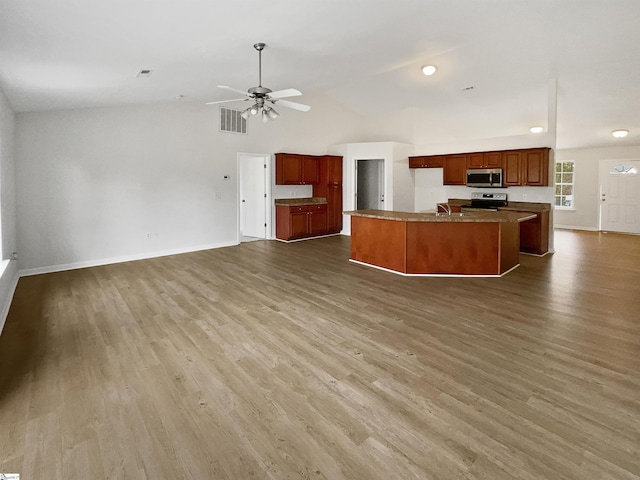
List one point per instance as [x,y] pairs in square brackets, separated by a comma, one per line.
[536,163]
[528,167]
[455,169]
[334,169]
[293,169]
[431,161]
[484,160]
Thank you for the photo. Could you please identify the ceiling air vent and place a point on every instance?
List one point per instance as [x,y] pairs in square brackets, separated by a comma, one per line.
[144,73]
[231,121]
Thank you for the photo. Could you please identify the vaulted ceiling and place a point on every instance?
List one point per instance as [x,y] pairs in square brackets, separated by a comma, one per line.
[365,54]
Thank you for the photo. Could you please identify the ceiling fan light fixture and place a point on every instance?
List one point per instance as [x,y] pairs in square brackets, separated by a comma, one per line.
[254,109]
[272,113]
[536,129]
[246,113]
[429,70]
[265,116]
[620,133]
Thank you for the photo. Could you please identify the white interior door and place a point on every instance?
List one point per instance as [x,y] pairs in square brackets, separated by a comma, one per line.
[253,195]
[620,196]
[370,184]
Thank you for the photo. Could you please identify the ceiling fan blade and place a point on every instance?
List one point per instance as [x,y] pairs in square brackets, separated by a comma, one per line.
[232,89]
[289,92]
[225,101]
[294,105]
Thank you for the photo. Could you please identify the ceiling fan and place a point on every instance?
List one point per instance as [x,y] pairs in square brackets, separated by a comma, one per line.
[261,95]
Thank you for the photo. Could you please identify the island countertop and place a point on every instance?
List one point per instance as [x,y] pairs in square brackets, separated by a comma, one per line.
[483,217]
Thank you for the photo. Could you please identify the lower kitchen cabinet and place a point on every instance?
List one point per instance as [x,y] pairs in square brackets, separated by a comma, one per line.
[300,221]
[534,233]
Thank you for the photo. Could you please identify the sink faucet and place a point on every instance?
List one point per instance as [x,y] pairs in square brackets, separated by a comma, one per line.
[443,208]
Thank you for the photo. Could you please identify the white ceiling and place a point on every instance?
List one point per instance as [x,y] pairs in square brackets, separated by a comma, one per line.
[366,54]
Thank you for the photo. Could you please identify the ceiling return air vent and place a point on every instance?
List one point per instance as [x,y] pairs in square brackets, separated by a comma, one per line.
[231,121]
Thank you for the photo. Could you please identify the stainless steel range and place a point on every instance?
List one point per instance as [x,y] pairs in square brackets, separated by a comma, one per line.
[485,201]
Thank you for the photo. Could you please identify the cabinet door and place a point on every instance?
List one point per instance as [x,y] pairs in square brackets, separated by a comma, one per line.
[475,160]
[536,164]
[512,166]
[334,208]
[492,159]
[416,162]
[334,169]
[299,224]
[455,170]
[310,170]
[288,169]
[317,219]
[434,161]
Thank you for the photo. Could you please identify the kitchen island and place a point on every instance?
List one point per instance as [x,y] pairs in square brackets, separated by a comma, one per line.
[477,244]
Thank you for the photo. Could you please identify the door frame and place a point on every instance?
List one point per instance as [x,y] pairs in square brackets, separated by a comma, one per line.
[268,158]
[382,179]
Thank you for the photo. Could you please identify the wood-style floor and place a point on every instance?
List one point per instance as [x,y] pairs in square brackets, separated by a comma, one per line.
[285,361]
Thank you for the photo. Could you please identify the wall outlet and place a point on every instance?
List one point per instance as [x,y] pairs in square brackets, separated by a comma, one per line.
[14,256]
[148,235]
[524,196]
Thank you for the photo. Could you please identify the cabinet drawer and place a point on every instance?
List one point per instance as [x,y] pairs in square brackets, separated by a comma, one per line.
[299,208]
[318,208]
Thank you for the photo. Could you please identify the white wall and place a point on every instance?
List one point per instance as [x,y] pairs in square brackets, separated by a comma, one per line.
[91,183]
[586,189]
[395,156]
[9,274]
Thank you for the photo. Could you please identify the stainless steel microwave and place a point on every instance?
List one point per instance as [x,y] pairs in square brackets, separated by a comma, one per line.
[485,177]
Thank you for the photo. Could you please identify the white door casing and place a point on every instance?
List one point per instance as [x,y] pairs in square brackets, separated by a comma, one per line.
[619,196]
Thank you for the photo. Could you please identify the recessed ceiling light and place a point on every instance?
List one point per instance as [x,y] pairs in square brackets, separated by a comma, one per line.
[536,129]
[429,69]
[620,133]
[179,97]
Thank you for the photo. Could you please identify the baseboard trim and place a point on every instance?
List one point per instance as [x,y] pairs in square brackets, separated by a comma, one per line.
[127,258]
[9,297]
[570,227]
[449,275]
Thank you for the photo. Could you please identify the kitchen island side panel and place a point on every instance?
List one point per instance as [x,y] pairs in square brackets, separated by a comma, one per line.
[378,242]
[453,248]
[509,246]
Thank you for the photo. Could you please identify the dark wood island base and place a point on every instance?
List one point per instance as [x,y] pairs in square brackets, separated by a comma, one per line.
[477,244]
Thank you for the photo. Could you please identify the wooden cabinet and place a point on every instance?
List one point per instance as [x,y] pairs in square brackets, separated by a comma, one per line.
[484,160]
[534,233]
[333,169]
[300,221]
[329,186]
[431,161]
[512,168]
[294,169]
[536,167]
[334,208]
[324,172]
[524,167]
[455,169]
[529,167]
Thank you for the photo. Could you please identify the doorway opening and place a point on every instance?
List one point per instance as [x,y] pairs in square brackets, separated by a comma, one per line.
[253,196]
[620,196]
[369,188]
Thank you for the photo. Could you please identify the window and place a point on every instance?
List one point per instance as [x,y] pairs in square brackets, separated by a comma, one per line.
[564,184]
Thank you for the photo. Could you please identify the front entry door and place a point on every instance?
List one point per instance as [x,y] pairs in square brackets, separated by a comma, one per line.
[620,196]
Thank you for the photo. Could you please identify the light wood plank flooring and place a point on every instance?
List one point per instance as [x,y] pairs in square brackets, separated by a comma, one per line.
[285,361]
